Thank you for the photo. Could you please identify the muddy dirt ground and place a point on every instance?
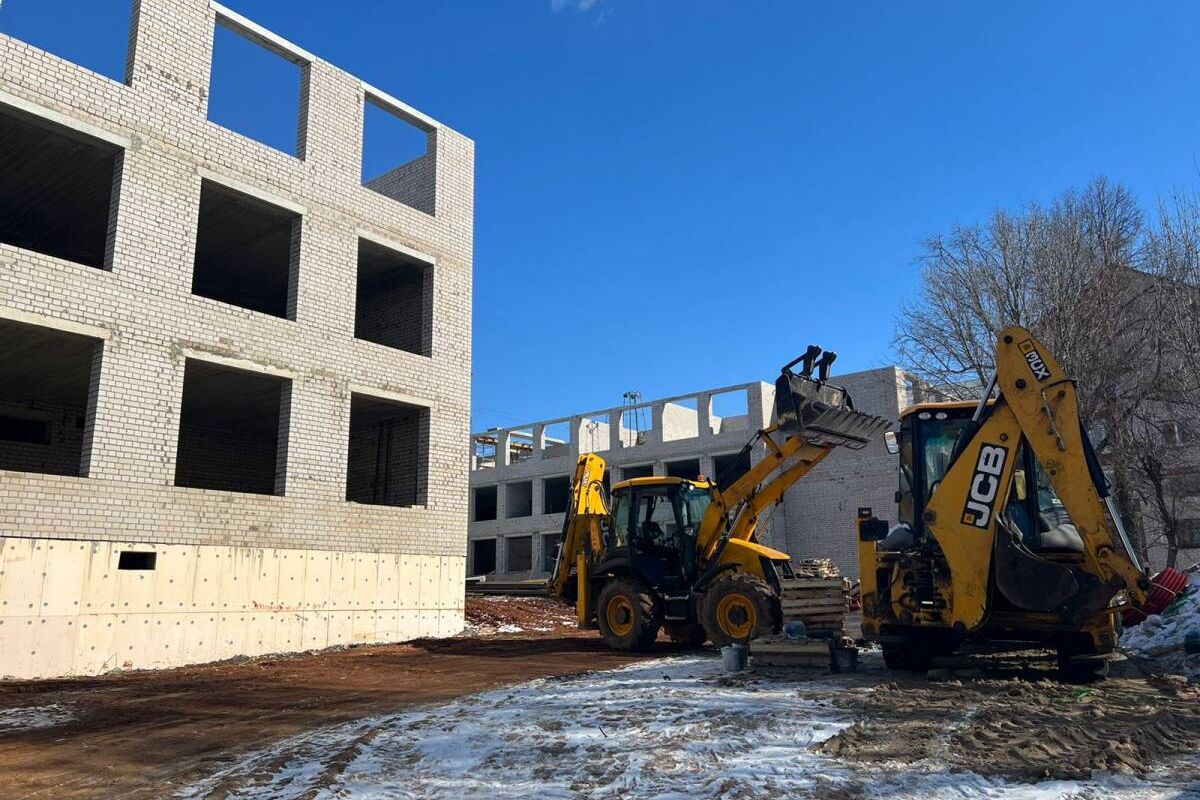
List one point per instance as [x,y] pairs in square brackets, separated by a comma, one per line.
[141,735]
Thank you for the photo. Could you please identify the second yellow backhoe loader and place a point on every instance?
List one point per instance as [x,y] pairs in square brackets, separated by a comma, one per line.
[682,553]
[1006,532]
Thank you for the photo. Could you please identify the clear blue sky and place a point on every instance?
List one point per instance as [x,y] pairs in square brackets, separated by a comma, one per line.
[674,194]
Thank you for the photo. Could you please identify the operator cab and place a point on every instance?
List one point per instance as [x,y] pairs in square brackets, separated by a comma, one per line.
[928,441]
[655,522]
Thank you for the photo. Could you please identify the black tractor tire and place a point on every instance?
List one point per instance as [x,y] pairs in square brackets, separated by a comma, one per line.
[627,615]
[1080,663]
[909,655]
[688,635]
[739,607]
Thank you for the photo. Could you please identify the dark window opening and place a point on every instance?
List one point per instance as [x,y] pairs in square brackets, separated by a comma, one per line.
[47,381]
[556,494]
[96,38]
[247,251]
[688,469]
[256,91]
[389,447]
[391,137]
[58,189]
[394,300]
[639,471]
[485,503]
[518,499]
[133,559]
[230,430]
[483,556]
[519,553]
[549,550]
[728,468]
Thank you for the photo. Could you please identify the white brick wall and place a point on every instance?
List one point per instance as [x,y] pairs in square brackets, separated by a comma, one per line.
[145,304]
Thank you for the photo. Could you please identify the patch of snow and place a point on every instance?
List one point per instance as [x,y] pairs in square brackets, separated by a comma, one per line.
[669,729]
[1169,628]
[34,717]
[508,627]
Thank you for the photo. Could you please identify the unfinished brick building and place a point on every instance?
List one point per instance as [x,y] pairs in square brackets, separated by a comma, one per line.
[234,381]
[520,476]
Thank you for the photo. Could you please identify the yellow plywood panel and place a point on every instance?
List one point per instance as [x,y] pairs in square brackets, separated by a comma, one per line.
[166,643]
[260,633]
[363,627]
[237,580]
[136,588]
[450,622]
[366,580]
[292,565]
[387,625]
[431,575]
[206,577]
[128,631]
[315,630]
[387,588]
[22,573]
[201,641]
[18,635]
[409,625]
[99,593]
[410,582]
[316,581]
[231,629]
[289,632]
[174,578]
[265,584]
[427,623]
[456,583]
[66,565]
[341,627]
[341,581]
[95,645]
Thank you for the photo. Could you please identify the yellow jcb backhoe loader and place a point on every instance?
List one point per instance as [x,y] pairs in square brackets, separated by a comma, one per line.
[1006,534]
[682,553]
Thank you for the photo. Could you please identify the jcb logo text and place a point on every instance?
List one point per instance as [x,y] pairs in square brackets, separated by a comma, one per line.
[985,485]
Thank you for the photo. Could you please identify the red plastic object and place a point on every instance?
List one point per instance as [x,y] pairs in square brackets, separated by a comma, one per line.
[1164,588]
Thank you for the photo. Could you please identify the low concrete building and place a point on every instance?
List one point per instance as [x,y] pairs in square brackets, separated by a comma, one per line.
[520,475]
[234,381]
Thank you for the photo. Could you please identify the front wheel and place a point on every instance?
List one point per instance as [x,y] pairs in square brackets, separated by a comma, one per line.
[627,615]
[738,608]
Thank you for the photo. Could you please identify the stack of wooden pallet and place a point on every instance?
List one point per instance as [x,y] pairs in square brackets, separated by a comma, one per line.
[817,597]
[781,654]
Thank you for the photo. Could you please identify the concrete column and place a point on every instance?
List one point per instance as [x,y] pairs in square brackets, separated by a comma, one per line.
[614,430]
[760,401]
[501,555]
[704,414]
[537,495]
[656,424]
[576,433]
[503,438]
[706,467]
[539,441]
[660,469]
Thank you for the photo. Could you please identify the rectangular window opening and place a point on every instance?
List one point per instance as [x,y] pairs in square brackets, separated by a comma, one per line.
[47,382]
[232,430]
[518,551]
[485,504]
[97,37]
[636,424]
[58,189]
[393,300]
[728,468]
[483,557]
[637,471]
[730,412]
[593,435]
[137,560]
[389,452]
[256,91]
[556,439]
[399,156]
[247,251]
[518,499]
[688,469]
[680,420]
[556,494]
[520,446]
[483,451]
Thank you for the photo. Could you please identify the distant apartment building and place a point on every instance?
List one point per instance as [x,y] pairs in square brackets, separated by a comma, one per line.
[520,475]
[234,381]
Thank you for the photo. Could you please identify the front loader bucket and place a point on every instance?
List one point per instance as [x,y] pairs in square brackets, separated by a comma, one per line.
[822,411]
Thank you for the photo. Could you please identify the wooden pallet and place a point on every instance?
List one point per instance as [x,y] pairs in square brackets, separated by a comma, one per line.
[779,653]
[820,603]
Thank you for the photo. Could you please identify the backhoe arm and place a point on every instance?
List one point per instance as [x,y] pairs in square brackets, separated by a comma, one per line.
[582,535]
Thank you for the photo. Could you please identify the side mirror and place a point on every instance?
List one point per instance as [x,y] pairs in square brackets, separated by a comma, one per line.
[891,442]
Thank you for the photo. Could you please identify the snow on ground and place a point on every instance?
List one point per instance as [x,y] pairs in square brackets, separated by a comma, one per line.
[671,729]
[1169,628]
[33,717]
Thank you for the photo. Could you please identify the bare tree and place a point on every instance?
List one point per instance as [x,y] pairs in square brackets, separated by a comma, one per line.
[1072,272]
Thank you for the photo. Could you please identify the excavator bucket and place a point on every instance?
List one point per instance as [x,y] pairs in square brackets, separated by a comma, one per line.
[820,410]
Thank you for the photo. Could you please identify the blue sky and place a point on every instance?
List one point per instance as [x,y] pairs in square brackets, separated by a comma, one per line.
[676,194]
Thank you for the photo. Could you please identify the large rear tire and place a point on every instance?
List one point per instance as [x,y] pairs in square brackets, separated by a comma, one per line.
[627,615]
[739,607]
